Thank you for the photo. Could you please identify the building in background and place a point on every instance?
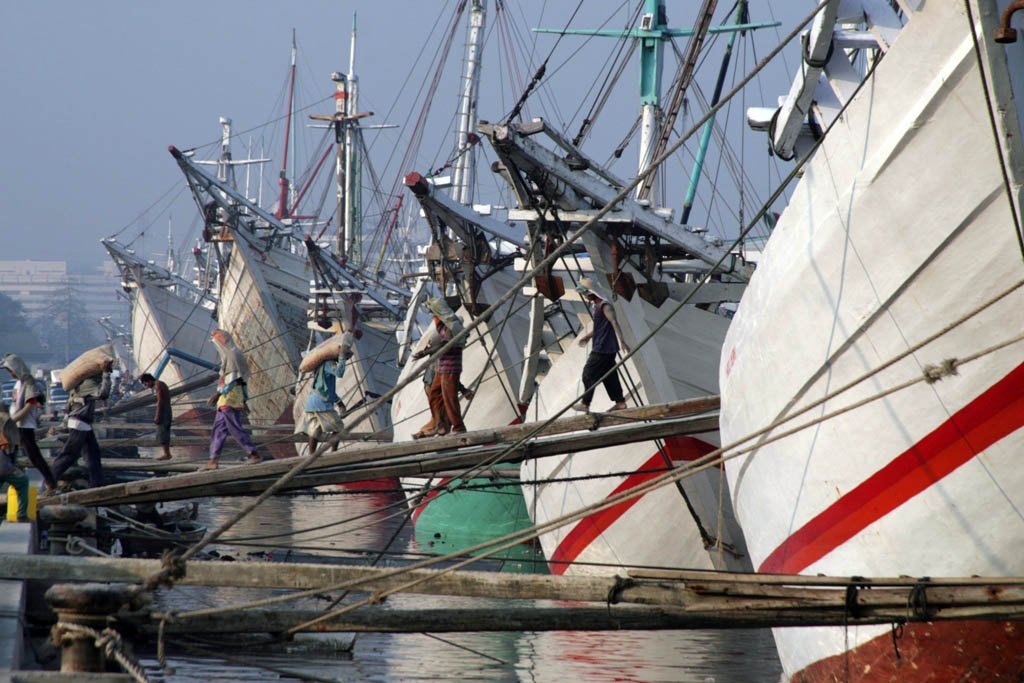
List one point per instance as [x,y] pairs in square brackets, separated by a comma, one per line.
[64,305]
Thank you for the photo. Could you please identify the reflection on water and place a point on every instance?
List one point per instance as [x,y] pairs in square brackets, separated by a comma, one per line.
[321,526]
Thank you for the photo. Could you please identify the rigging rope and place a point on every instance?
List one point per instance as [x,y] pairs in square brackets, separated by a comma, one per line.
[555,254]
[1003,166]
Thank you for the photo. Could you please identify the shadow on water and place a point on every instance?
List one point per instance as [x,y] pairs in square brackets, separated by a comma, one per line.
[318,527]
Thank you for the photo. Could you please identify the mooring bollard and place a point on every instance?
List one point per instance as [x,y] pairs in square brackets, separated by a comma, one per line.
[82,611]
[63,521]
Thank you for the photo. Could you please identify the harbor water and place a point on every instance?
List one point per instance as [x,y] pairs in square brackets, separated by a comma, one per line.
[371,527]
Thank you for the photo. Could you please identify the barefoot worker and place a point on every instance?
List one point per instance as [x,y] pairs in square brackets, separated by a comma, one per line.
[443,394]
[162,417]
[320,417]
[230,398]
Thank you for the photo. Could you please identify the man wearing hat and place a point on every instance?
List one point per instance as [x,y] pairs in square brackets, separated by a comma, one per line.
[607,343]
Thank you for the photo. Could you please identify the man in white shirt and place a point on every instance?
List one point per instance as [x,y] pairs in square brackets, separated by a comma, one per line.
[26,408]
[81,412]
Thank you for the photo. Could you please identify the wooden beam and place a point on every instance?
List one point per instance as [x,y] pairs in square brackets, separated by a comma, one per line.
[565,618]
[259,440]
[250,479]
[738,602]
[573,434]
[407,620]
[148,399]
[314,576]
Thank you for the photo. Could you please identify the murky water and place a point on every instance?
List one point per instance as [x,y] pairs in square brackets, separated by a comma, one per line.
[318,527]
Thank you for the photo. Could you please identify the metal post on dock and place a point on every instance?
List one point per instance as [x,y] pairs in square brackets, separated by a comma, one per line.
[82,613]
[63,521]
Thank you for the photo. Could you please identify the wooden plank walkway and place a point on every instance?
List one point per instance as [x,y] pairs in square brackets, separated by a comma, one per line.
[428,456]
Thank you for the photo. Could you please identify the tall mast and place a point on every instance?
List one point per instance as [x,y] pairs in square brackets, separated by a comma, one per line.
[652,34]
[340,109]
[653,23]
[352,195]
[464,175]
[283,181]
[171,265]
[225,167]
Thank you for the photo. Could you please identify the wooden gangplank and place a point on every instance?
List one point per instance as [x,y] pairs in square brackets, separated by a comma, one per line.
[425,457]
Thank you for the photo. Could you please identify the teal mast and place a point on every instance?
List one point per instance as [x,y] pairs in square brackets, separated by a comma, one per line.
[652,33]
[705,138]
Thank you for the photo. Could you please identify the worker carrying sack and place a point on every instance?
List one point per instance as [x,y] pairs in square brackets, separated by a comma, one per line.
[86,365]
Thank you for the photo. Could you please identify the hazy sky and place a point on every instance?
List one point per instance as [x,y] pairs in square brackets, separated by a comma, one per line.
[94,92]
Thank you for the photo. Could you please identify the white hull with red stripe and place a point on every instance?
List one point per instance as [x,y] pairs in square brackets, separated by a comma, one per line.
[901,225]
[657,529]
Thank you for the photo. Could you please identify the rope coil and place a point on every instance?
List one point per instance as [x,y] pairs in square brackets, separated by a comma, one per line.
[108,640]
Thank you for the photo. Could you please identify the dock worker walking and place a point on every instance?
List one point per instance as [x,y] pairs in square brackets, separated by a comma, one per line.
[443,394]
[10,473]
[320,415]
[26,407]
[81,437]
[230,398]
[607,336]
[162,417]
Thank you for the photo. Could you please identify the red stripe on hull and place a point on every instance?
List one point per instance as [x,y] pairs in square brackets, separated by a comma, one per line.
[684,448]
[383,484]
[963,651]
[992,416]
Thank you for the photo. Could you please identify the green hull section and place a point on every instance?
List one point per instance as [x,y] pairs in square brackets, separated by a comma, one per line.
[486,509]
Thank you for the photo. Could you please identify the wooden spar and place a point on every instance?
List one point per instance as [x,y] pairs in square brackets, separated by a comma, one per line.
[467,583]
[151,465]
[180,426]
[680,603]
[406,459]
[539,618]
[313,576]
[371,437]
[406,620]
[135,402]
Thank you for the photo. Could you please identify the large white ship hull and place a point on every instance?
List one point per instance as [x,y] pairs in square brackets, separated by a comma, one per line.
[679,362]
[162,319]
[901,225]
